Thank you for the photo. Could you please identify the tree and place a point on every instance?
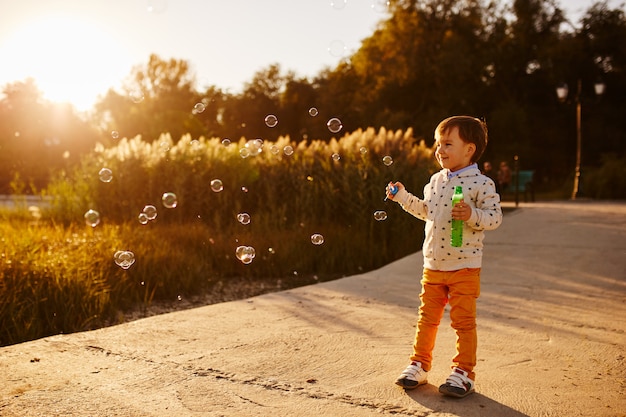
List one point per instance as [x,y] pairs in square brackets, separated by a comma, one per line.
[158,98]
[38,137]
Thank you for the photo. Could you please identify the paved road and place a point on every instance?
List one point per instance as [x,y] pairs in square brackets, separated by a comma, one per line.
[552,323]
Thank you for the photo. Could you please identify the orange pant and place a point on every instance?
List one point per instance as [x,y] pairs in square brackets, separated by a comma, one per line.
[461,289]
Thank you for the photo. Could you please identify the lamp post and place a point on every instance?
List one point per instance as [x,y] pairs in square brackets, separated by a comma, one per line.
[562,93]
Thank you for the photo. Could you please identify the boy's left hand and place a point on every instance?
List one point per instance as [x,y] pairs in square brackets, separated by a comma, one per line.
[461,211]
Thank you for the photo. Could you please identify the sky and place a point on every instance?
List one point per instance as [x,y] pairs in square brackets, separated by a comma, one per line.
[76,50]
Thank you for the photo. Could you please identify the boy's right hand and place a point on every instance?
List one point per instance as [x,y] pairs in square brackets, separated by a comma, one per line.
[392,189]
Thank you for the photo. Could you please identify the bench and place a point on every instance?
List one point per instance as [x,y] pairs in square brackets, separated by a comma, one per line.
[523,185]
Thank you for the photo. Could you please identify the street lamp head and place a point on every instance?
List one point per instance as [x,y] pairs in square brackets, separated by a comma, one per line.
[599,87]
[562,91]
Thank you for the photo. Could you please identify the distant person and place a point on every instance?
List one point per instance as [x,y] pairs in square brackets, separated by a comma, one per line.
[504,176]
[491,173]
[451,274]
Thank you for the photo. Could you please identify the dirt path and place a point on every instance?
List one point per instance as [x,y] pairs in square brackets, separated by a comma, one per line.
[552,322]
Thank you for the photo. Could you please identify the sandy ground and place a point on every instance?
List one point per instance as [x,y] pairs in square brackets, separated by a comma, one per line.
[552,322]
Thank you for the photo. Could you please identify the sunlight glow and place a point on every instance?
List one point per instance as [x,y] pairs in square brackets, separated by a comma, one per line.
[70,60]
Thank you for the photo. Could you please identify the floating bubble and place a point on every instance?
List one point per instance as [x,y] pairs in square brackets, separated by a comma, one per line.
[363,150]
[164,146]
[254,147]
[225,141]
[136,96]
[275,150]
[380,6]
[157,6]
[143,218]
[244,152]
[338,4]
[288,150]
[243,218]
[271,120]
[317,239]
[244,189]
[150,211]
[216,185]
[271,251]
[169,200]
[115,134]
[124,258]
[198,108]
[105,175]
[336,157]
[92,218]
[380,215]
[337,48]
[245,254]
[387,160]
[313,112]
[334,125]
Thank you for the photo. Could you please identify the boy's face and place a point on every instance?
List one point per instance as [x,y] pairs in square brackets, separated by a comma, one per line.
[452,152]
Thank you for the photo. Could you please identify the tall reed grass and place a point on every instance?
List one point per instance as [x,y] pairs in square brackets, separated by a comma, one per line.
[57,274]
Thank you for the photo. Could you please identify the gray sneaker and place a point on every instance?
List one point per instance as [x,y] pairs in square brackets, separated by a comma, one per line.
[458,384]
[413,376]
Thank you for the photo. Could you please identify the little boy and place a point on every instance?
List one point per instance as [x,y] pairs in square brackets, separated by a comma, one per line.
[451,274]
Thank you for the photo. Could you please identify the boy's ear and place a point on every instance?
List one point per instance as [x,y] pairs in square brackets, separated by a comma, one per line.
[471,149]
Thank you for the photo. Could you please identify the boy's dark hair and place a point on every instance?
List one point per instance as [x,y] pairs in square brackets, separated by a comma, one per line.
[471,130]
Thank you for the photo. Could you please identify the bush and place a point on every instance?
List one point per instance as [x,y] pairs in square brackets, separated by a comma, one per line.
[607,181]
[58,275]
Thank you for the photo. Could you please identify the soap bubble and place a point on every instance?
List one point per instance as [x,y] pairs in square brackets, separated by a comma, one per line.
[317,239]
[288,150]
[216,185]
[244,152]
[105,174]
[337,48]
[157,6]
[380,6]
[254,147]
[243,218]
[275,150]
[363,150]
[313,112]
[169,200]
[271,120]
[387,160]
[225,141]
[136,96]
[143,218]
[92,218]
[380,215]
[334,125]
[124,258]
[150,211]
[115,134]
[198,108]
[336,157]
[245,254]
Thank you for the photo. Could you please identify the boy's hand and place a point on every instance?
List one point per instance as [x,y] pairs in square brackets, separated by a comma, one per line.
[399,186]
[461,211]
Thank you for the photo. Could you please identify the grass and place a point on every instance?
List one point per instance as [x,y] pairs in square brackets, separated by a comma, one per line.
[58,275]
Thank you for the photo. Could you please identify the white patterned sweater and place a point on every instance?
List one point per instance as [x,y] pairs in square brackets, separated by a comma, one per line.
[435,209]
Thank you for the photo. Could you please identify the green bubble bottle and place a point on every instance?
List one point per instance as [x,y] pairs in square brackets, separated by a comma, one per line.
[456,237]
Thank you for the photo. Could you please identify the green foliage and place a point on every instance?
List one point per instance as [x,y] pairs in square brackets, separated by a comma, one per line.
[607,181]
[58,274]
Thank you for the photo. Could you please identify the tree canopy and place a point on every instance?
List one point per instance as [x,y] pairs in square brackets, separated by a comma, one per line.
[425,61]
